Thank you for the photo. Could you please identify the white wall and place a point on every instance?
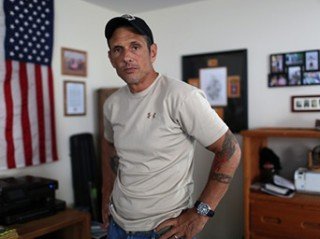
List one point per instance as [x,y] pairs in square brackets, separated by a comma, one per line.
[78,25]
[263,27]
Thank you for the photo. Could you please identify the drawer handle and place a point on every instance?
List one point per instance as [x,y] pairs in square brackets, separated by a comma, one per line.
[311,225]
[273,220]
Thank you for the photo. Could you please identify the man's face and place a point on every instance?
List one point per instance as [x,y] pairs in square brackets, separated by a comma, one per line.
[130,56]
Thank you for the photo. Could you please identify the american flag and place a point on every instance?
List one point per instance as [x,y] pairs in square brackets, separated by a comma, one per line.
[27,123]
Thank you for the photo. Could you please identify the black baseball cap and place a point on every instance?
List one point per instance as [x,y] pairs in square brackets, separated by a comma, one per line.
[137,23]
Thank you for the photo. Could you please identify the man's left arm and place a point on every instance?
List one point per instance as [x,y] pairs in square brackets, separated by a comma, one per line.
[227,157]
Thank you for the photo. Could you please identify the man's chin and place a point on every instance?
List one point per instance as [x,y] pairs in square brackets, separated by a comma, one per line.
[132,80]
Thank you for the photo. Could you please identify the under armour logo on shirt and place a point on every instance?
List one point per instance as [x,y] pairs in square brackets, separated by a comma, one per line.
[151,115]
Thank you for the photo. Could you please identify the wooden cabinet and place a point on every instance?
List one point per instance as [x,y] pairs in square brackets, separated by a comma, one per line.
[68,224]
[103,94]
[269,216]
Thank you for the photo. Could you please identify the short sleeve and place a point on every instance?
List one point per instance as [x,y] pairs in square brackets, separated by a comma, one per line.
[199,120]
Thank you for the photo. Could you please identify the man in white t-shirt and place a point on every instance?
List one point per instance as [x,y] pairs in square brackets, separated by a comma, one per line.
[151,126]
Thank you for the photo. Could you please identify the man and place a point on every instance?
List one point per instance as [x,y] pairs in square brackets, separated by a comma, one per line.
[151,126]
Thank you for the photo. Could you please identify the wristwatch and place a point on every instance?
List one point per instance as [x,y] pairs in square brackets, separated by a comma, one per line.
[203,209]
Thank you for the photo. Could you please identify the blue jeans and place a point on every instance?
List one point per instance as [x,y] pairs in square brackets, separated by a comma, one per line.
[116,232]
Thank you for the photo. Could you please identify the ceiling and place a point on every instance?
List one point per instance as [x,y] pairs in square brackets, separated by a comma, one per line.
[138,6]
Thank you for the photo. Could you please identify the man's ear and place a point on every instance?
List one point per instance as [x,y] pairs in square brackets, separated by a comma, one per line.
[110,58]
[153,52]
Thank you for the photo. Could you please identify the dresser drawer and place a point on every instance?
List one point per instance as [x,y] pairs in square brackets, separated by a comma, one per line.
[277,220]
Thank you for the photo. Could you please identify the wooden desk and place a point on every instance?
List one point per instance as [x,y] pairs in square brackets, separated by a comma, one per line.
[67,224]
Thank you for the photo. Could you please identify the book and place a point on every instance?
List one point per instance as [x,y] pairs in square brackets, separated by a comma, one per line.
[276,189]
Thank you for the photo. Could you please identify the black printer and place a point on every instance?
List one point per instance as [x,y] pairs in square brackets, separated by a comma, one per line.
[26,198]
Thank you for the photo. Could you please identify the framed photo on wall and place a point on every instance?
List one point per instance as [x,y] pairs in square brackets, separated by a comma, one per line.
[305,103]
[301,68]
[311,78]
[276,80]
[294,75]
[295,58]
[312,60]
[73,62]
[74,98]
[277,63]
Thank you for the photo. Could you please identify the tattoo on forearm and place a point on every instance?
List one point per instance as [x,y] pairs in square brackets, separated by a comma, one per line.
[221,177]
[114,163]
[228,149]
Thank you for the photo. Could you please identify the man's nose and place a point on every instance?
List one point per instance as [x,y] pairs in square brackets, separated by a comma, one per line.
[127,55]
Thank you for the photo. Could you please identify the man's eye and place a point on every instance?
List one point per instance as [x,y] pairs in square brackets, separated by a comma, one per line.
[135,47]
[116,50]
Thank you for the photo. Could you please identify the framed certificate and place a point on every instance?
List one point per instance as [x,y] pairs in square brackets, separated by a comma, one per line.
[74,98]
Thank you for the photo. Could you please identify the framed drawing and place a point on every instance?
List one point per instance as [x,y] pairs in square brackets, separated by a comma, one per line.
[228,69]
[213,82]
[74,98]
[73,62]
[305,103]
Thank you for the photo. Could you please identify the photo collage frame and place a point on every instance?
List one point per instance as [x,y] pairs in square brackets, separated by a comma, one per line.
[294,69]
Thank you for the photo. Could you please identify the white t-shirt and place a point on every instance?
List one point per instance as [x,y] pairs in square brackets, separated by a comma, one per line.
[154,132]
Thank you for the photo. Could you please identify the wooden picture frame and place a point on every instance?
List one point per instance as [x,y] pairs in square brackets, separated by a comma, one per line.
[305,103]
[73,62]
[74,98]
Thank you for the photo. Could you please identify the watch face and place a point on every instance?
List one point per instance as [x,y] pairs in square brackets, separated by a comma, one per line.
[203,209]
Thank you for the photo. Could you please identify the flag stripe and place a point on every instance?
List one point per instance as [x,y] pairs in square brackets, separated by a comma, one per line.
[53,131]
[25,122]
[3,143]
[9,117]
[33,112]
[46,106]
[41,123]
[17,119]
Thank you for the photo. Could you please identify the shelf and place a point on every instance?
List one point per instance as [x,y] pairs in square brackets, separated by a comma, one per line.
[282,132]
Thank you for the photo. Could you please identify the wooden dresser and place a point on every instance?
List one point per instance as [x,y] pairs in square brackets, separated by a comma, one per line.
[269,216]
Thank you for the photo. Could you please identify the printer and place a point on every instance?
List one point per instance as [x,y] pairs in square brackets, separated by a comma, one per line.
[307,181]
[26,198]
